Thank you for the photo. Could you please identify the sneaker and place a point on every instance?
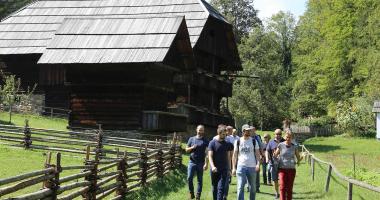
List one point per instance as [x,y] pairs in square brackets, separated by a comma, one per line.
[198,197]
[257,190]
[277,196]
[191,195]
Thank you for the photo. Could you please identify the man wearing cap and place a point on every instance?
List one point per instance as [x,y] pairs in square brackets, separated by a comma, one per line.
[246,163]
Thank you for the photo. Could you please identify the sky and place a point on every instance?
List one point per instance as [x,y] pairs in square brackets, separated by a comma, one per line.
[269,7]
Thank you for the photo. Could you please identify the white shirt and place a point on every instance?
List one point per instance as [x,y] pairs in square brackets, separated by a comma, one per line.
[246,154]
[232,138]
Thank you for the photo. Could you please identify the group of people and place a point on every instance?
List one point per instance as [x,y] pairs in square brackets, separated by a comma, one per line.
[230,155]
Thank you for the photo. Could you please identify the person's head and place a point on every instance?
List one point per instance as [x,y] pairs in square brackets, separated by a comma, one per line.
[253,130]
[266,137]
[222,132]
[200,130]
[278,134]
[229,130]
[288,136]
[234,132]
[246,130]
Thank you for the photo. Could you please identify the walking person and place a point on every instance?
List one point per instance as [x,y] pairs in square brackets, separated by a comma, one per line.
[197,146]
[219,154]
[261,151]
[245,157]
[287,152]
[273,161]
[267,178]
[231,139]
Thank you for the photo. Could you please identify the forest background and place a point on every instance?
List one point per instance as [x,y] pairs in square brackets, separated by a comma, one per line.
[321,69]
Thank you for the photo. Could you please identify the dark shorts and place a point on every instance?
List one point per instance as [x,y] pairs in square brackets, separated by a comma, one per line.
[274,172]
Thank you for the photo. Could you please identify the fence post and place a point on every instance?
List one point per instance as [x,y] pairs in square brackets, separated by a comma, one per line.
[92,178]
[328,179]
[349,192]
[312,168]
[53,184]
[122,177]
[99,143]
[143,166]
[27,135]
[160,161]
[172,152]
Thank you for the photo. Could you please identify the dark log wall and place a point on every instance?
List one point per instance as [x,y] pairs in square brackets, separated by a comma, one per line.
[116,96]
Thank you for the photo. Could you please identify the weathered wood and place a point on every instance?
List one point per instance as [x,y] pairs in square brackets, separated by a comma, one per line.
[25,176]
[36,195]
[312,168]
[106,193]
[24,184]
[106,180]
[74,176]
[71,186]
[74,194]
[107,174]
[108,166]
[328,179]
[108,187]
[349,191]
[77,167]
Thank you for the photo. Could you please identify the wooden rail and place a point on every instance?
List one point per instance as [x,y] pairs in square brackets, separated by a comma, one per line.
[120,176]
[311,159]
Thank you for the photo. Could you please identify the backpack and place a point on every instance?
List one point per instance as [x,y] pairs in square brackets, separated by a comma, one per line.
[254,147]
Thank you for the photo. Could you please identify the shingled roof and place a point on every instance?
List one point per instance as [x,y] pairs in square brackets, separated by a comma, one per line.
[113,40]
[30,30]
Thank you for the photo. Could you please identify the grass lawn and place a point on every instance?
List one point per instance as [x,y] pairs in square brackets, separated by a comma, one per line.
[340,149]
[35,121]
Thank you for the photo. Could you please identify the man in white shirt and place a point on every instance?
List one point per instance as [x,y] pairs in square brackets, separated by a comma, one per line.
[247,156]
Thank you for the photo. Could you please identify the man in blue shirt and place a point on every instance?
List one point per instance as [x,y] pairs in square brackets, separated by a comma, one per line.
[197,146]
[219,153]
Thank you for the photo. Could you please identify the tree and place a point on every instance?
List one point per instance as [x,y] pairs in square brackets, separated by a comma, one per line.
[11,93]
[240,13]
[9,6]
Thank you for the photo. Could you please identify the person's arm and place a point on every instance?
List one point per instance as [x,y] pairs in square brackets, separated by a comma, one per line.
[266,156]
[229,160]
[277,152]
[205,166]
[257,152]
[299,158]
[212,166]
[190,146]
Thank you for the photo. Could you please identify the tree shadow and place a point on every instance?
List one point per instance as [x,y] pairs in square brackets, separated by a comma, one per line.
[6,122]
[157,189]
[322,148]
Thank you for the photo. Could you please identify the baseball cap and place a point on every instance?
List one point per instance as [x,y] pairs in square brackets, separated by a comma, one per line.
[246,127]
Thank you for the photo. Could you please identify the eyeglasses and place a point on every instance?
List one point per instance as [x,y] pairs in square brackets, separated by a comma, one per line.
[265,137]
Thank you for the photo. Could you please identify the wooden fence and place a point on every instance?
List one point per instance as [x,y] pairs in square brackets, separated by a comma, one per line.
[99,178]
[311,159]
[75,142]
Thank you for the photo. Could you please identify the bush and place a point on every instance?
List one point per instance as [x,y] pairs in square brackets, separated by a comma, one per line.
[316,122]
[355,117]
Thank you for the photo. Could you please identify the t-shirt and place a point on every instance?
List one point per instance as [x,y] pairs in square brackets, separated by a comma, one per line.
[271,148]
[199,153]
[232,139]
[220,151]
[287,155]
[246,154]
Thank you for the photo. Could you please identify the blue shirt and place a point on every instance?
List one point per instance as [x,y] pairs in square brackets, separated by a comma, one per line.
[220,151]
[271,147]
[198,154]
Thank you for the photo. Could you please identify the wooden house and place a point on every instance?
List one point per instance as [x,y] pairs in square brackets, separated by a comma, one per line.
[134,64]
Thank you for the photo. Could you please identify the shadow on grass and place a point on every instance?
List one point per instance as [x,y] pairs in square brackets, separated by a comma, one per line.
[6,122]
[158,189]
[322,148]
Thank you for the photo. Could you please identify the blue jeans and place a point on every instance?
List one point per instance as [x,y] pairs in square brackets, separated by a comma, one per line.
[227,186]
[273,170]
[191,170]
[244,175]
[218,182]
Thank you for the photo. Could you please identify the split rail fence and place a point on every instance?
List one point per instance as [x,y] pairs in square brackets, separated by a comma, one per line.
[311,159]
[100,177]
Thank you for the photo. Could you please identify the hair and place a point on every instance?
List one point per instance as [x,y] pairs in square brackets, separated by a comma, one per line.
[229,127]
[267,135]
[289,132]
[221,125]
[234,130]
[277,130]
[200,126]
[221,130]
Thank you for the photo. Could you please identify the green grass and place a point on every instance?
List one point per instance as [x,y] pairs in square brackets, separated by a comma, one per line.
[35,121]
[340,149]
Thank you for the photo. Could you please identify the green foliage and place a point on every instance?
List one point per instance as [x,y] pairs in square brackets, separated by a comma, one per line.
[336,58]
[355,116]
[9,6]
[265,101]
[241,14]
[318,121]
